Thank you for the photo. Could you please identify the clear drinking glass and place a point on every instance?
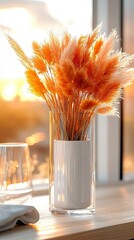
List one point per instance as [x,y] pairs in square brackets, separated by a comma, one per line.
[15,175]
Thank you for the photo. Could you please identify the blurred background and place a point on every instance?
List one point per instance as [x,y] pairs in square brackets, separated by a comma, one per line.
[25,118]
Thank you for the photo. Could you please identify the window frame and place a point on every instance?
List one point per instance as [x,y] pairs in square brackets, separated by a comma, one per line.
[108,129]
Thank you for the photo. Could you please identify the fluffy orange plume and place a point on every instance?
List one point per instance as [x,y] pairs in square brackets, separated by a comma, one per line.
[125,59]
[67,90]
[65,72]
[85,60]
[107,47]
[35,85]
[50,85]
[88,104]
[68,52]
[64,75]
[111,66]
[91,38]
[109,92]
[39,64]
[97,46]
[77,56]
[82,40]
[104,72]
[91,71]
[125,77]
[106,110]
[78,77]
[36,48]
[47,53]
[65,40]
[55,47]
[81,81]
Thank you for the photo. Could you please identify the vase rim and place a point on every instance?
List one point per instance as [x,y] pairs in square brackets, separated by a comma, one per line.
[72,140]
[14,144]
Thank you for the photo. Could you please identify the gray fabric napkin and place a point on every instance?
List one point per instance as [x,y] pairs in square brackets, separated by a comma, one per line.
[11,214]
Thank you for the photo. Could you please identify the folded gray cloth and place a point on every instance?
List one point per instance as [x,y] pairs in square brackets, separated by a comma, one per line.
[11,214]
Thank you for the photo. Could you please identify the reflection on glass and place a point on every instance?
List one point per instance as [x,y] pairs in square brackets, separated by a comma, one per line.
[23,116]
[15,173]
[128,43]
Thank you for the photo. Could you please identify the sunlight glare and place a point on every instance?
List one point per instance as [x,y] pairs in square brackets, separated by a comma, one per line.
[9,92]
[35,138]
[75,15]
[15,18]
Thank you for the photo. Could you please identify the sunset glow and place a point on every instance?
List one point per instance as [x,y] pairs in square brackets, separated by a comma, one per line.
[9,93]
[16,18]
[76,21]
[24,116]
[35,138]
[11,71]
[25,24]
[10,89]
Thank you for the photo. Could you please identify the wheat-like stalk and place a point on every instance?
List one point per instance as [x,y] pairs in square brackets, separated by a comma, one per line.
[20,53]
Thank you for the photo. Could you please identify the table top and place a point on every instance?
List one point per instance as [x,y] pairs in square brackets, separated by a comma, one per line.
[113,220]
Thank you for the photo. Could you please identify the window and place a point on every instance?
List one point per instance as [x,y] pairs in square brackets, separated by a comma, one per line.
[108,128]
[115,137]
[23,116]
[128,104]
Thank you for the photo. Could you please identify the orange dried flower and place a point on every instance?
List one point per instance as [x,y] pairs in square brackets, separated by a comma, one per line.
[106,110]
[35,85]
[76,76]
[67,90]
[107,47]
[50,85]
[81,81]
[104,74]
[55,47]
[65,41]
[88,104]
[65,72]
[111,66]
[46,53]
[97,46]
[91,38]
[109,92]
[39,64]
[36,48]
[77,56]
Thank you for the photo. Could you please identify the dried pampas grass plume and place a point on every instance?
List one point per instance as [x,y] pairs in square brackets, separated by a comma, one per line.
[77,77]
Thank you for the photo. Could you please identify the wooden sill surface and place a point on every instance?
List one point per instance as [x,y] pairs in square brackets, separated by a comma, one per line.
[113,220]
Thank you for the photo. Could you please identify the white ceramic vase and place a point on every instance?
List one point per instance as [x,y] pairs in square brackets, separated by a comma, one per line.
[72,174]
[72,177]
